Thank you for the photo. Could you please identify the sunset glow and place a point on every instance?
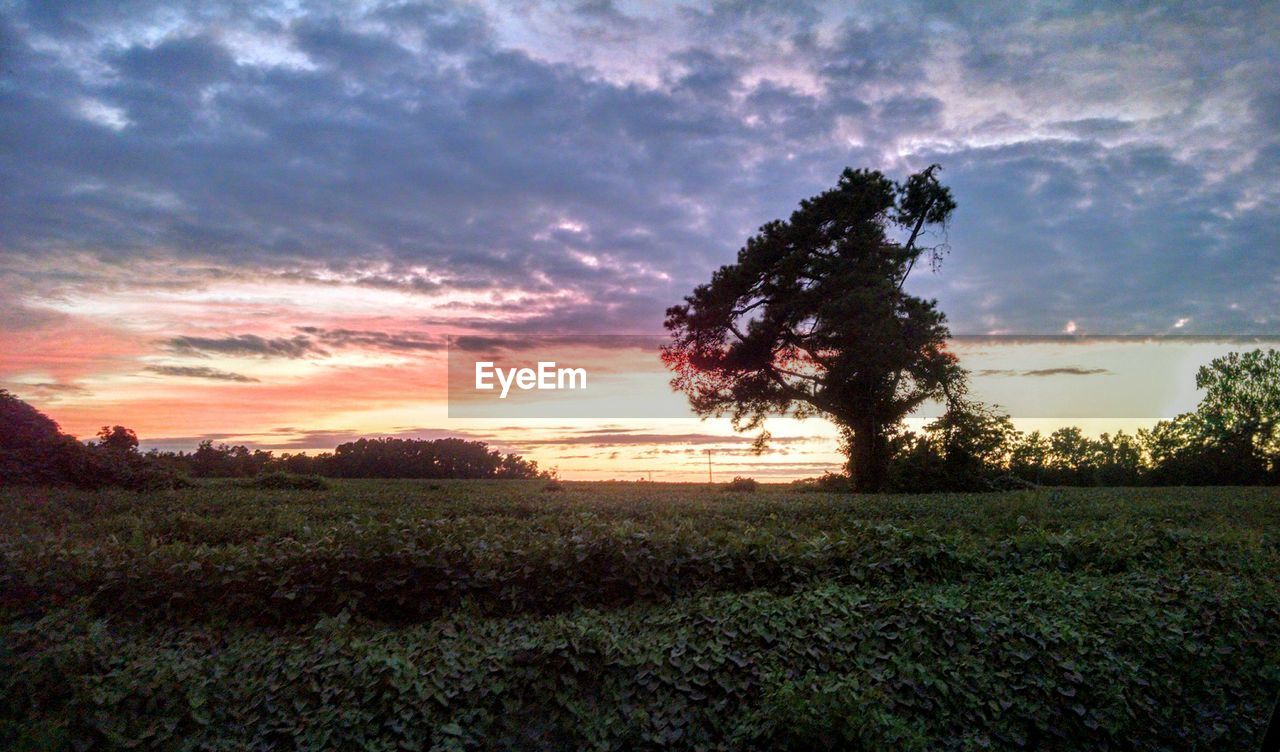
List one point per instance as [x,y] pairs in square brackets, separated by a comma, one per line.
[261,228]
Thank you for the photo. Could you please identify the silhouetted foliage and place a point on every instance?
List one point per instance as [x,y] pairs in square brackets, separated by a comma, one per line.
[34,450]
[963,450]
[364,458]
[812,319]
[742,484]
[118,439]
[417,458]
[1233,438]
[825,483]
[32,447]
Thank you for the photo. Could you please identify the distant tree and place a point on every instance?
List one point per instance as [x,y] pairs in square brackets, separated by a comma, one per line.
[1241,406]
[812,319]
[208,461]
[117,439]
[417,458]
[964,449]
[1072,456]
[1029,456]
[1119,460]
[1233,437]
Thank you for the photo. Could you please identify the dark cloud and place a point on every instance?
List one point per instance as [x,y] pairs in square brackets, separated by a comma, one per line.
[1062,371]
[50,390]
[313,341]
[201,372]
[1066,371]
[637,438]
[246,344]
[404,341]
[327,438]
[308,439]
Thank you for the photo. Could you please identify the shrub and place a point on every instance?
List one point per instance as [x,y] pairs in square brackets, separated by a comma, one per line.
[287,482]
[826,483]
[740,483]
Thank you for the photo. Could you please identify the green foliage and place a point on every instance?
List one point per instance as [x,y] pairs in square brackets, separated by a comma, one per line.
[636,616]
[742,484]
[286,482]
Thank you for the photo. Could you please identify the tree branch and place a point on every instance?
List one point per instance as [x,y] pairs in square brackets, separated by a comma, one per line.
[911,243]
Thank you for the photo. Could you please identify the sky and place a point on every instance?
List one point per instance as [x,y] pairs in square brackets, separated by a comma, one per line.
[258,221]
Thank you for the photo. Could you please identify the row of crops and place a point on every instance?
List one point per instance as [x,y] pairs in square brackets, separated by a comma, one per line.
[490,615]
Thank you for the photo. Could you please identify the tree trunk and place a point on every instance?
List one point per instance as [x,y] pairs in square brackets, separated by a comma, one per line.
[868,455]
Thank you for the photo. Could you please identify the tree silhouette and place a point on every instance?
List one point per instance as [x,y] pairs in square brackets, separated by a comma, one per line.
[118,439]
[1233,437]
[813,319]
[32,447]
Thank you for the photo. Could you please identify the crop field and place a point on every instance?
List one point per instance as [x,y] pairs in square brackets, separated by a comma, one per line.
[389,615]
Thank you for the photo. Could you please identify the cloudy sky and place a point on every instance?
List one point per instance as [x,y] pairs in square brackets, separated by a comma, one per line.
[258,219]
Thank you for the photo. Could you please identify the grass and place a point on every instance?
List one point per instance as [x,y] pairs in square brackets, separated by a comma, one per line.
[473,614]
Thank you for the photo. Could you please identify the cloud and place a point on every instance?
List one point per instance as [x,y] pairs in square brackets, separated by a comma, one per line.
[245,344]
[607,438]
[201,372]
[375,340]
[1040,372]
[1066,371]
[293,439]
[50,390]
[308,439]
[578,168]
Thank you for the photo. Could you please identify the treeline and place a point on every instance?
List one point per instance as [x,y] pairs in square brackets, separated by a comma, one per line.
[1232,438]
[33,450]
[364,458]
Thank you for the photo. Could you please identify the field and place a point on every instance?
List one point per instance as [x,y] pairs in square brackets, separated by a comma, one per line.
[500,615]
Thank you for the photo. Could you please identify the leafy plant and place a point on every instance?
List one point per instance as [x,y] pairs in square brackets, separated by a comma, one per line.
[486,615]
[286,482]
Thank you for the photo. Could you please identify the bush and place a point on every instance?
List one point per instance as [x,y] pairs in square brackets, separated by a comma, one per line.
[742,484]
[825,483]
[287,482]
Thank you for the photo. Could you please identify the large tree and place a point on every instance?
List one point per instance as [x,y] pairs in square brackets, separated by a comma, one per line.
[813,319]
[1242,399]
[1233,437]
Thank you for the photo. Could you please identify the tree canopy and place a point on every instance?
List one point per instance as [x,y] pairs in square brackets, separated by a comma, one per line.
[813,318]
